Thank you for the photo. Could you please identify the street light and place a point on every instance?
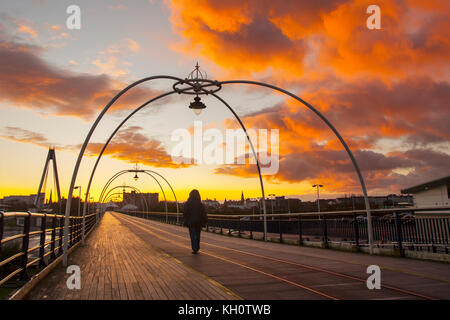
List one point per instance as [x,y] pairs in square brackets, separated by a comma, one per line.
[318,201]
[272,195]
[79,198]
[197,105]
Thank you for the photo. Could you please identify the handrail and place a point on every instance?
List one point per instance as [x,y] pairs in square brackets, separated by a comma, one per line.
[46,247]
[315,213]
[429,231]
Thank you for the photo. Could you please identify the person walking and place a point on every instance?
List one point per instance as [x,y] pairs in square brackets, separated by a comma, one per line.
[194,217]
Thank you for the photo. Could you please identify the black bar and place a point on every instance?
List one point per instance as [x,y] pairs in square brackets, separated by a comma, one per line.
[25,243]
[300,231]
[61,234]
[52,246]
[398,224]
[325,232]
[239,228]
[279,229]
[355,222]
[42,263]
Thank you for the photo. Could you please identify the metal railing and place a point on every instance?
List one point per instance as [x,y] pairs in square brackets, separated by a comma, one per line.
[398,228]
[46,239]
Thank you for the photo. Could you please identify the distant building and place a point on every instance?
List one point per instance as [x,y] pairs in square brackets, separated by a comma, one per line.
[375,201]
[140,199]
[431,193]
[10,201]
[211,203]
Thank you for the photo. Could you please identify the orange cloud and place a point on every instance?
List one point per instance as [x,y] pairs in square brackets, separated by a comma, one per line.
[23,28]
[129,145]
[297,38]
[30,82]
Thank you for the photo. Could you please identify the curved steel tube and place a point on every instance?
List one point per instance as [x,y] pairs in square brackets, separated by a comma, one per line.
[105,187]
[107,142]
[223,82]
[170,186]
[127,171]
[256,158]
[130,187]
[350,154]
[162,190]
[81,153]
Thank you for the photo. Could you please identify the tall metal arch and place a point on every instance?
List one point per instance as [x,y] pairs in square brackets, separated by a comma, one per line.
[119,173]
[129,187]
[126,171]
[201,86]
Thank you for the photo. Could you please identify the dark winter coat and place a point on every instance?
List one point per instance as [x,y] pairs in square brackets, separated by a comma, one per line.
[194,214]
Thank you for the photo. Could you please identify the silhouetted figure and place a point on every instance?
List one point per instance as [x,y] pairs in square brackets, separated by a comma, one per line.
[195,218]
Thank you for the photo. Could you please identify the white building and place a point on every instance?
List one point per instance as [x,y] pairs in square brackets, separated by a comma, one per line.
[211,203]
[434,193]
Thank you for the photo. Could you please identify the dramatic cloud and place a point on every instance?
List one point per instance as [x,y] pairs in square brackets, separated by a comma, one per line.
[294,37]
[387,91]
[28,81]
[26,136]
[129,144]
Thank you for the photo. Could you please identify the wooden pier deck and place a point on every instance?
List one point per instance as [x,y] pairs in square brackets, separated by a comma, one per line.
[117,264]
[133,258]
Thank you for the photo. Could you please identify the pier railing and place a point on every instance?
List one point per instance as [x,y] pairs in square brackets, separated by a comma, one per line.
[398,228]
[29,241]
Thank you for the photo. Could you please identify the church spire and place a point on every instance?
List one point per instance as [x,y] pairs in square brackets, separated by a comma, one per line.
[242,197]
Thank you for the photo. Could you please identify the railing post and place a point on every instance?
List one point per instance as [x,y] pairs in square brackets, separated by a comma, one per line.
[279,229]
[239,228]
[25,243]
[300,231]
[355,227]
[325,232]
[42,263]
[70,231]
[251,224]
[398,226]
[61,235]
[53,244]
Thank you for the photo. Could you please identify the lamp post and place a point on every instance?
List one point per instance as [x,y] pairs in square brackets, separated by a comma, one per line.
[87,202]
[272,199]
[79,198]
[318,198]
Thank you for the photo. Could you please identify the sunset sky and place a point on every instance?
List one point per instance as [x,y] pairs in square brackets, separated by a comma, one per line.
[387,91]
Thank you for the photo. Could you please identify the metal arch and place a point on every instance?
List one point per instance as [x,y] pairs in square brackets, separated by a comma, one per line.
[83,148]
[116,175]
[112,195]
[127,171]
[130,187]
[106,144]
[256,158]
[162,190]
[350,154]
[109,182]
[170,186]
